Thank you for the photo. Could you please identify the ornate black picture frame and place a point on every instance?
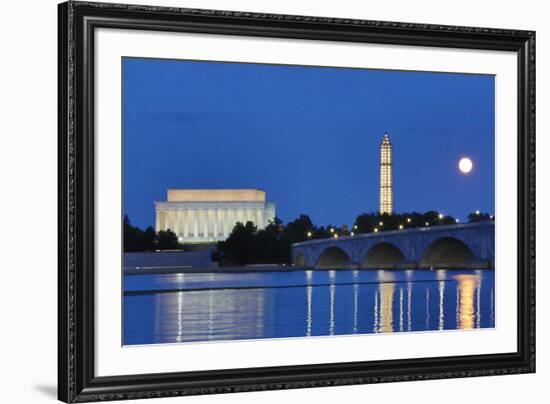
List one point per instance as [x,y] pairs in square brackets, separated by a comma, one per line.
[77,23]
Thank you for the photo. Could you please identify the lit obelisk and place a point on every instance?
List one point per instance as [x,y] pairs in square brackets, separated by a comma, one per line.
[386,180]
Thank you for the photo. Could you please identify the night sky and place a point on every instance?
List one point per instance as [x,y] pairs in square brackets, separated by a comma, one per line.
[308,136]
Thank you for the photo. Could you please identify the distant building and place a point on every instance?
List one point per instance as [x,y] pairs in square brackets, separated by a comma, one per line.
[207,215]
[386,176]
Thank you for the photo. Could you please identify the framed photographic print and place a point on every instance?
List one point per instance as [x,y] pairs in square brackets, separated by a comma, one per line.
[257,201]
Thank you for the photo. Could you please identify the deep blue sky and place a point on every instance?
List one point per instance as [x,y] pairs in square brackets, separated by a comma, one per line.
[308,136]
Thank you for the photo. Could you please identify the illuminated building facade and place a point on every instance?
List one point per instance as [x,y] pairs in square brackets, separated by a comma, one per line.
[386,176]
[209,215]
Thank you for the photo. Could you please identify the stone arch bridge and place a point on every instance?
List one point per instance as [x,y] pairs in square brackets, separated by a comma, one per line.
[469,245]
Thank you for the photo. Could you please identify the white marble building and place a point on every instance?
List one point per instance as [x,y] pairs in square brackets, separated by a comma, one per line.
[207,215]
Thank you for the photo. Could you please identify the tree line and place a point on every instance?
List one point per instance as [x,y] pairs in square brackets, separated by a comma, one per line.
[136,240]
[272,245]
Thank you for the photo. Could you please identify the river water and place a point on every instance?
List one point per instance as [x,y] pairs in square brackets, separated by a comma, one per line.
[187,307]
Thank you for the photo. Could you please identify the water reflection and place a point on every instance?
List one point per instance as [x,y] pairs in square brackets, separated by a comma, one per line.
[467,285]
[427,309]
[304,303]
[441,275]
[409,303]
[387,288]
[400,309]
[207,315]
[478,299]
[355,306]
[309,319]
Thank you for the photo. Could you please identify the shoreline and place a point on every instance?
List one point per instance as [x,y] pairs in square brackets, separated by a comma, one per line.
[272,268]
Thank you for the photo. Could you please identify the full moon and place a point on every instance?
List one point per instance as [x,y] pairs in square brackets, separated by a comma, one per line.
[465,165]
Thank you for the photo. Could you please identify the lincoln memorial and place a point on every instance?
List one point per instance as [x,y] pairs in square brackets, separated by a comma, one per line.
[207,215]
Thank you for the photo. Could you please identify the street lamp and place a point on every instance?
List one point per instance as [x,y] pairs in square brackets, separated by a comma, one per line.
[427,224]
[441,216]
[477,212]
[408,220]
[352,234]
[381,223]
[400,227]
[376,229]
[309,234]
[456,220]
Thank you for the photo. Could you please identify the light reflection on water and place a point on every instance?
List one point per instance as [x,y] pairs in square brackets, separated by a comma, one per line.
[231,306]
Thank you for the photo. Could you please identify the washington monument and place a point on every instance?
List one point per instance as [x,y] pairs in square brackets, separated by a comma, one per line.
[386,180]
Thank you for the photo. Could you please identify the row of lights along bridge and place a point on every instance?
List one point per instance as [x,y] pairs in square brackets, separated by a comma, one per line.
[335,234]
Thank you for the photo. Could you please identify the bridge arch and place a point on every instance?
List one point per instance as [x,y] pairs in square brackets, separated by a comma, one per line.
[383,254]
[333,258]
[446,251]
[300,259]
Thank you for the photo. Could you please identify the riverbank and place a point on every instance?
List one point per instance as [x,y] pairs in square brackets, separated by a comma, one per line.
[212,269]
[264,268]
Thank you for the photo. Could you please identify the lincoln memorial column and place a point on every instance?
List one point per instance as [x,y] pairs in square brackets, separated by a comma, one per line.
[237,217]
[230,223]
[198,212]
[215,222]
[260,218]
[240,215]
[208,224]
[212,222]
[169,222]
[174,221]
[219,216]
[157,221]
[195,214]
[177,222]
[204,218]
[225,215]
[222,221]
[166,220]
[185,220]
[172,216]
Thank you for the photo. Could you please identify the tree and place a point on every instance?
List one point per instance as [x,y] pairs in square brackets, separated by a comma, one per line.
[132,236]
[478,216]
[167,240]
[368,222]
[365,223]
[149,239]
[238,248]
[272,245]
[298,229]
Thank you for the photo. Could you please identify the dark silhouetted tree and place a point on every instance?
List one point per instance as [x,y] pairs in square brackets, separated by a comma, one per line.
[149,240]
[479,217]
[239,247]
[367,222]
[132,236]
[167,240]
